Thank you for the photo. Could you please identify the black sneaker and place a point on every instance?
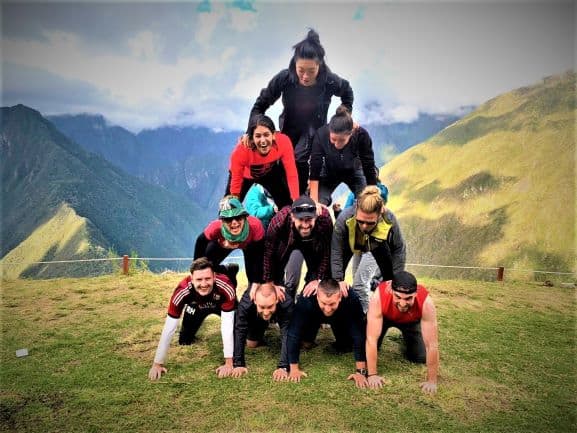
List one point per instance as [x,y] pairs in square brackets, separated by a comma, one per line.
[231,269]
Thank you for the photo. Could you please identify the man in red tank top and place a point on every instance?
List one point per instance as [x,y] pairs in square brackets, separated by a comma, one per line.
[406,305]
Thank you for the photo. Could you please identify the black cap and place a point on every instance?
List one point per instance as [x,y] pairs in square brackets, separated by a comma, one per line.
[404,282]
[304,207]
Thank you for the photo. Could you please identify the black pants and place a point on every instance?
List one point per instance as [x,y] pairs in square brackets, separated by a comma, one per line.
[328,183]
[192,318]
[275,182]
[415,350]
[343,339]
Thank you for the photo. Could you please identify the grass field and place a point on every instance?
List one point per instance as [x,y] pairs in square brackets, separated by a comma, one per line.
[508,364]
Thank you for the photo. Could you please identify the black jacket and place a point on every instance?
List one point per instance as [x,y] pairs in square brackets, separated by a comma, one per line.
[358,151]
[285,83]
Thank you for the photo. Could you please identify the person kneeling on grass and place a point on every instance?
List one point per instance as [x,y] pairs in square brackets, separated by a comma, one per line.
[406,305]
[201,293]
[344,314]
[251,322]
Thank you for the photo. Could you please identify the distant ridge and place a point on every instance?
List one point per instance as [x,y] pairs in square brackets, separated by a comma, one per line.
[43,172]
[496,188]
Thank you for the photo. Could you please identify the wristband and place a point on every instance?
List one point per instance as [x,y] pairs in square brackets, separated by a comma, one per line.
[362,371]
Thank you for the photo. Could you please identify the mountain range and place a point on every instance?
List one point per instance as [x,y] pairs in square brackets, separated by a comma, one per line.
[60,201]
[194,160]
[493,188]
[497,187]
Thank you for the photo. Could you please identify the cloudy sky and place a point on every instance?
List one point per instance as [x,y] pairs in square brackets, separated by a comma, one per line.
[145,64]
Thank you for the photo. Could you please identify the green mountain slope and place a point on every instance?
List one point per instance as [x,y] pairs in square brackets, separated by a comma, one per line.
[496,188]
[42,170]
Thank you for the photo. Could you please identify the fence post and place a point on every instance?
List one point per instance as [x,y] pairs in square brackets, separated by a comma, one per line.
[125,264]
[500,272]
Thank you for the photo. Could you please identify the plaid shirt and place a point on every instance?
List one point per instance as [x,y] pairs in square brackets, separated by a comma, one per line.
[280,241]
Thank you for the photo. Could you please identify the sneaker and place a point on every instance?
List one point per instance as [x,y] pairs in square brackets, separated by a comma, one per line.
[231,271]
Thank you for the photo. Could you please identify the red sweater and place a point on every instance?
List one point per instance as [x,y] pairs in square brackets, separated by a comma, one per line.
[249,164]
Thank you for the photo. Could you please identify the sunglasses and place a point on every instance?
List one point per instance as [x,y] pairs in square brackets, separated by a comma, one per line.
[234,218]
[304,208]
[367,223]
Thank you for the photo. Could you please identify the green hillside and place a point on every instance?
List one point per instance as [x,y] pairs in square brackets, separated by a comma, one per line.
[42,171]
[64,236]
[496,188]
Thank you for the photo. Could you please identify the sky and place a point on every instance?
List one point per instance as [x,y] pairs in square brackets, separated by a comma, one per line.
[147,64]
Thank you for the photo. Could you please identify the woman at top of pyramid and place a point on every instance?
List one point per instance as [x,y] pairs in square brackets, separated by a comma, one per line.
[306,88]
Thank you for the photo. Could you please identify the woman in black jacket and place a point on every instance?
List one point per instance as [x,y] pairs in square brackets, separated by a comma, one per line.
[306,87]
[341,153]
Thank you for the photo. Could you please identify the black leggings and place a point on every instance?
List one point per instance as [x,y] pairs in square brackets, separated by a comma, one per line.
[275,182]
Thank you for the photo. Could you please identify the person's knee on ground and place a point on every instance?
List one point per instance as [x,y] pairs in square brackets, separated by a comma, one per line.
[308,345]
[253,344]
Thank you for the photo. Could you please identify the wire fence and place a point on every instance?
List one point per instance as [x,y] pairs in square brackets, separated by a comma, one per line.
[127,265]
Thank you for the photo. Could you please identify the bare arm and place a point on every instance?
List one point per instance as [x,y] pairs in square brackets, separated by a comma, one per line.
[430,338]
[374,328]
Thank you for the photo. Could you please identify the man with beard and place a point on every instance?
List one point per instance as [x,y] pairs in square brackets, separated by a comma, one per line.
[252,320]
[369,232]
[344,314]
[406,305]
[201,293]
[297,227]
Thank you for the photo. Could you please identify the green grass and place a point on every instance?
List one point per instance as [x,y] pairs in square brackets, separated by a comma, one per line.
[507,365]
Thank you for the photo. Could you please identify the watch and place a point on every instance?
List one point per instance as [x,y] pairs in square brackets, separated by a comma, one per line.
[362,371]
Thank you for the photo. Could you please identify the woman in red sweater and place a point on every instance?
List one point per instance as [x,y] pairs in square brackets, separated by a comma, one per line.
[269,162]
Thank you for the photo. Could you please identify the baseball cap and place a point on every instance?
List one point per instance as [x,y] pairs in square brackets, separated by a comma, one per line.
[230,207]
[404,282]
[304,207]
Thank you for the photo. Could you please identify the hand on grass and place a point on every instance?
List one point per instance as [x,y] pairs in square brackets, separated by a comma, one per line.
[295,375]
[360,380]
[156,371]
[375,381]
[224,371]
[239,371]
[429,387]
[280,375]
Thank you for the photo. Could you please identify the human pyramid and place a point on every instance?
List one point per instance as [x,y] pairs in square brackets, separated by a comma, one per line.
[286,178]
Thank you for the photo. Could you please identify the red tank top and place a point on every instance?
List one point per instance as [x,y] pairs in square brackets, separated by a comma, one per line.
[391,313]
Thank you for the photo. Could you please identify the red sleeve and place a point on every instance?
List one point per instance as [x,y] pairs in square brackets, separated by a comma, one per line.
[288,161]
[227,290]
[238,162]
[256,228]
[212,231]
[178,298]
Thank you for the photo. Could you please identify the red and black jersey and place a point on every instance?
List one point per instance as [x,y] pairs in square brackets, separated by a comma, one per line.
[223,296]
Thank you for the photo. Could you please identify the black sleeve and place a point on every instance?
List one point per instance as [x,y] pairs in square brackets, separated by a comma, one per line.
[285,311]
[343,89]
[317,154]
[367,157]
[269,95]
[200,246]
[357,327]
[241,328]
[397,247]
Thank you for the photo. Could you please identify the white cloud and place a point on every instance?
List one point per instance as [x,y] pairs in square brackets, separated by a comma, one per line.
[145,46]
